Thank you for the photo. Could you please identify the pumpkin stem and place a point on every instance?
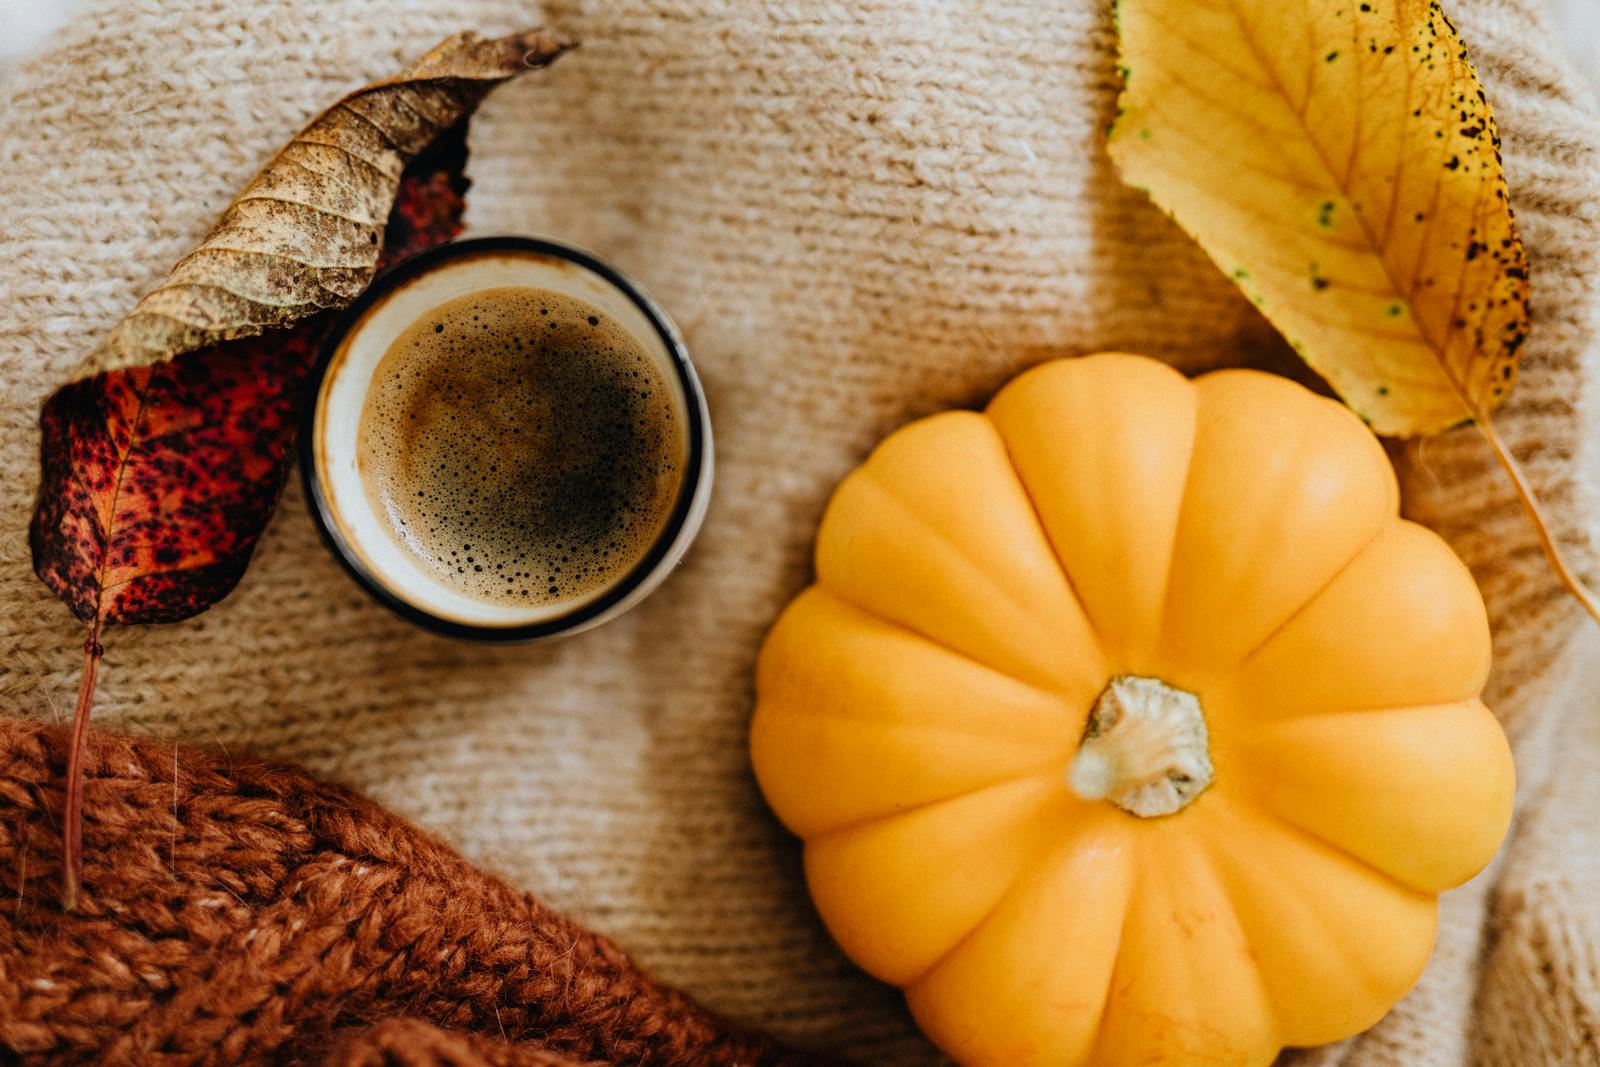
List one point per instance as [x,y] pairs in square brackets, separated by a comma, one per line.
[1145,748]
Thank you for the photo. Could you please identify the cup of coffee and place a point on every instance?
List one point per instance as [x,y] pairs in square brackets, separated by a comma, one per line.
[507,441]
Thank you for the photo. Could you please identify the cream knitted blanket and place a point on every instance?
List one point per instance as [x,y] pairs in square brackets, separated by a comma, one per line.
[860,211]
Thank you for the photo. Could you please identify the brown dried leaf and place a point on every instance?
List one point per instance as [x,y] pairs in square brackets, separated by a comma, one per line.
[305,233]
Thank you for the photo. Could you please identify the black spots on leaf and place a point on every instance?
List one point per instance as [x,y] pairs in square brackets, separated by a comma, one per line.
[1325,214]
[1111,127]
[1474,249]
[1453,163]
[1394,311]
[166,465]
[1330,57]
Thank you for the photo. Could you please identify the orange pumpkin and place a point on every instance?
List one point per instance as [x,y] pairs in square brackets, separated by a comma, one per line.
[1127,721]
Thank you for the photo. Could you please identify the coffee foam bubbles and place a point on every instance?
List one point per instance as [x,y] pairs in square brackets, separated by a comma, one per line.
[522,445]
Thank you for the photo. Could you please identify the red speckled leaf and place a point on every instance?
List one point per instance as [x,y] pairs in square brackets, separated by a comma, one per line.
[157,480]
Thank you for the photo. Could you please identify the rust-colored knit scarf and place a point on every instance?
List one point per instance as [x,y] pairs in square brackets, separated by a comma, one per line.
[241,912]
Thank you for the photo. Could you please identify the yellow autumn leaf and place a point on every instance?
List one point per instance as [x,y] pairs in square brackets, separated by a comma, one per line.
[1338,159]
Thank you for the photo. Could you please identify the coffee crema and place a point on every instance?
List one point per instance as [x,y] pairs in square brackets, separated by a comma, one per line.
[522,445]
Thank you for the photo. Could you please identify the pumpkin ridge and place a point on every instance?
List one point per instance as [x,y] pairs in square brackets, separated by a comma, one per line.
[1044,532]
[1198,855]
[1427,855]
[1290,823]
[1033,804]
[840,716]
[1122,939]
[1177,526]
[1097,1053]
[1284,623]
[1066,399]
[1279,626]
[942,645]
[1234,877]
[1018,883]
[889,493]
[870,477]
[1184,506]
[869,820]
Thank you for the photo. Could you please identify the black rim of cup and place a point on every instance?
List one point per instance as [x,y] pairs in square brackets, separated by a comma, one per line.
[694,413]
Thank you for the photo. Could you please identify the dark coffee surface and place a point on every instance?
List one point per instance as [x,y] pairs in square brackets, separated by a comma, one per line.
[523,445]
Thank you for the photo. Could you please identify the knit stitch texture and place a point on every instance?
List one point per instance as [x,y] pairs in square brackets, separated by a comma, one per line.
[239,912]
[860,213]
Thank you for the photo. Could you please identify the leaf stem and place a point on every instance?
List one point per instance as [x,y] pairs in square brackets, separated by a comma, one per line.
[1530,502]
[72,818]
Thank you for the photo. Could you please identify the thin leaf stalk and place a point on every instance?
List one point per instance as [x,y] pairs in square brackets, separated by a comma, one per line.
[72,816]
[1564,573]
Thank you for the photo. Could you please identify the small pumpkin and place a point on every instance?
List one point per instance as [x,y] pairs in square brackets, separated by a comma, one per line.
[1127,721]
